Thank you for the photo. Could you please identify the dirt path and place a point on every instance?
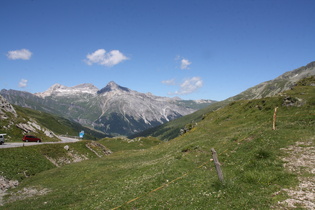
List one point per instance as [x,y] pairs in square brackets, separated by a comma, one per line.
[300,161]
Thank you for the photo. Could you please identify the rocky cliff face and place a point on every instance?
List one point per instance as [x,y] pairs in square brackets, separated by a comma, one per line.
[25,125]
[5,108]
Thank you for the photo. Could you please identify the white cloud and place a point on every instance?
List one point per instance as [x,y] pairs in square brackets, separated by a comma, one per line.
[189,85]
[23,83]
[23,54]
[169,82]
[105,59]
[185,64]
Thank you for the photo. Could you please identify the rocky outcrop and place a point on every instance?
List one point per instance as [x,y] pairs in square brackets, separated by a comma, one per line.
[33,126]
[28,125]
[6,184]
[6,107]
[99,149]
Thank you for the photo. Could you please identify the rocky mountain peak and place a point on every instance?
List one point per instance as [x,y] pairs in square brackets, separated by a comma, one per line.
[61,90]
[112,86]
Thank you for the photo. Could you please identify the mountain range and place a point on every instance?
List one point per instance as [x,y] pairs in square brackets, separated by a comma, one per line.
[114,109]
[118,110]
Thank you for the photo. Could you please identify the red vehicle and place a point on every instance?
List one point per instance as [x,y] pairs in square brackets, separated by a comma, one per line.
[31,138]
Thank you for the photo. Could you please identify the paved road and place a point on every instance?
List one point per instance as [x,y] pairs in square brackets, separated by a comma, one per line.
[68,139]
[22,144]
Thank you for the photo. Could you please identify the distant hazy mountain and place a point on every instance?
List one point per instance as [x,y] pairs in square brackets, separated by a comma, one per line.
[114,109]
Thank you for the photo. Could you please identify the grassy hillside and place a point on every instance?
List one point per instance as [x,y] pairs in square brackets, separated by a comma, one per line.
[170,130]
[179,174]
[22,162]
[285,81]
[61,125]
[10,126]
[58,125]
[124,144]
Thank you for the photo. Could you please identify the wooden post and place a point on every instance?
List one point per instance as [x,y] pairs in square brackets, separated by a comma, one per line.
[274,119]
[217,165]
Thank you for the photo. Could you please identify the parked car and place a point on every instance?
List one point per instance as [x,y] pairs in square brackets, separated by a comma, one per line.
[2,138]
[31,138]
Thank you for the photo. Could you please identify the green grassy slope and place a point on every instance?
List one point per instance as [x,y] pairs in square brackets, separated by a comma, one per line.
[22,162]
[59,125]
[124,144]
[179,174]
[172,129]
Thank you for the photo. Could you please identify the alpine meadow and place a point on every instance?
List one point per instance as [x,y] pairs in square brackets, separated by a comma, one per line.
[254,144]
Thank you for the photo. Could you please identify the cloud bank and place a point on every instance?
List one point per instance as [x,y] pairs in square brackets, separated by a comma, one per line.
[104,58]
[22,54]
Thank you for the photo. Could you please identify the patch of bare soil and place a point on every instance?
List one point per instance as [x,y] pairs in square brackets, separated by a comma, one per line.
[301,161]
[5,184]
[27,193]
[74,157]
[71,157]
[99,149]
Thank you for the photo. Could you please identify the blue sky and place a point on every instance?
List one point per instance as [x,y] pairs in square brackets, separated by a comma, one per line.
[196,49]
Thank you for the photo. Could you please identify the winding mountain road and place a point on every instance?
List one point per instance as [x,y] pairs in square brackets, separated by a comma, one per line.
[23,144]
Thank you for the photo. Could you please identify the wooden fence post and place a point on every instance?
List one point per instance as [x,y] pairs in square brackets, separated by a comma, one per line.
[274,119]
[217,165]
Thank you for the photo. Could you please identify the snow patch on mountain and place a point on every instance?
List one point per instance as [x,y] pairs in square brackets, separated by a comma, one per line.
[61,90]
